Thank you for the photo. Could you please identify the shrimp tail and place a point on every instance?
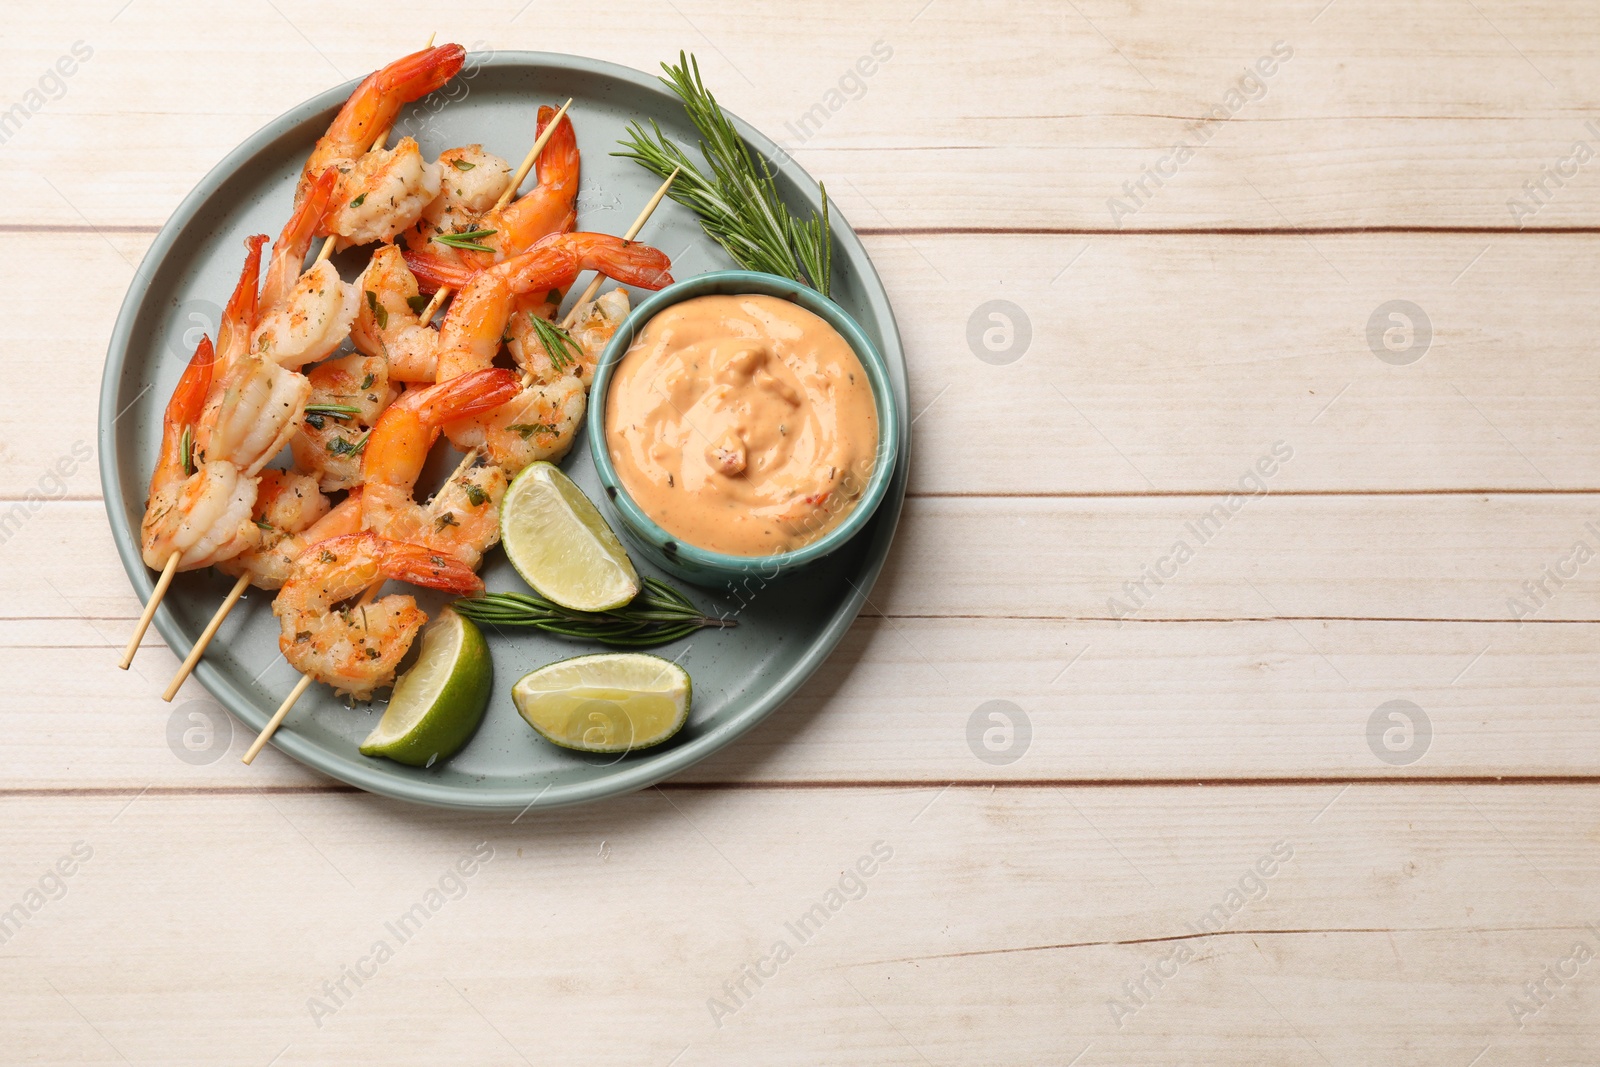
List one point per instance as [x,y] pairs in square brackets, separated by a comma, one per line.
[415,76]
[289,250]
[466,396]
[628,262]
[434,272]
[559,160]
[239,317]
[423,566]
[189,398]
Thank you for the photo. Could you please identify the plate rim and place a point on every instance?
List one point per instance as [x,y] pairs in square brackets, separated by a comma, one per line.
[645,772]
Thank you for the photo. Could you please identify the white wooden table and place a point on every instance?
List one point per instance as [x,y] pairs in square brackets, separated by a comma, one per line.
[1212,843]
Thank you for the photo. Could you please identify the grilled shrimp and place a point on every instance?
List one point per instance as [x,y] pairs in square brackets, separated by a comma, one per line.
[272,564]
[593,325]
[356,648]
[543,420]
[550,208]
[253,405]
[201,511]
[470,181]
[463,518]
[380,193]
[347,396]
[388,321]
[303,317]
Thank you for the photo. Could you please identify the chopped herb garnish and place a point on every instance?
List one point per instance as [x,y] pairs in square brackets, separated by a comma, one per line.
[358,201]
[461,164]
[186,447]
[475,494]
[366,383]
[304,635]
[263,524]
[467,239]
[528,429]
[447,519]
[418,303]
[379,312]
[373,653]
[558,343]
[338,411]
[343,446]
[315,421]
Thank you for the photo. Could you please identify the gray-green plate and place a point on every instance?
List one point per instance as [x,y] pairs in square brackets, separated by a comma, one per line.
[740,675]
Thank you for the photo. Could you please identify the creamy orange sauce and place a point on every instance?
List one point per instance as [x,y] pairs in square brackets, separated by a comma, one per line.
[742,424]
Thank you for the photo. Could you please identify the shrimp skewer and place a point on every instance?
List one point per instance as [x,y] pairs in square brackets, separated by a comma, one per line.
[296,514]
[463,518]
[381,191]
[388,324]
[378,97]
[539,423]
[527,227]
[590,323]
[330,652]
[254,406]
[198,512]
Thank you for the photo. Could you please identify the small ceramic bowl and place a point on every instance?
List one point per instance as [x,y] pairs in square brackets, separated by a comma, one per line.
[690,562]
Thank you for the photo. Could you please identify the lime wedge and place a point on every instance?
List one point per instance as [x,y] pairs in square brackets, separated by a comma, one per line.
[608,702]
[438,703]
[558,542]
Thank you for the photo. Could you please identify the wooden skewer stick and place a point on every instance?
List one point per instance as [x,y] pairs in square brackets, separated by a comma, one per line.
[443,292]
[377,143]
[204,640]
[277,717]
[297,692]
[150,607]
[243,583]
[633,231]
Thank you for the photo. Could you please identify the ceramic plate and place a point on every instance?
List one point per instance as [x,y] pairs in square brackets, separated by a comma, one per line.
[741,675]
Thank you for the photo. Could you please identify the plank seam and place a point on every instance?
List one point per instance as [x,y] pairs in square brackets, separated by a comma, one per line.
[22,792]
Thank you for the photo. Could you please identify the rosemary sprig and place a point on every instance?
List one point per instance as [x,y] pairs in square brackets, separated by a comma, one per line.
[659,614]
[738,201]
[343,446]
[186,447]
[467,239]
[557,342]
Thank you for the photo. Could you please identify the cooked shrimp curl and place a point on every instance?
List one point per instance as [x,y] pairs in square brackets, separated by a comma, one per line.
[285,533]
[380,193]
[463,518]
[303,316]
[356,647]
[201,511]
[549,208]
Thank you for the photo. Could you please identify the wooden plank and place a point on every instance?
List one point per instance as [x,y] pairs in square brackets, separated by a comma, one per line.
[1444,557]
[994,926]
[1137,378]
[1052,112]
[1244,666]
[940,700]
